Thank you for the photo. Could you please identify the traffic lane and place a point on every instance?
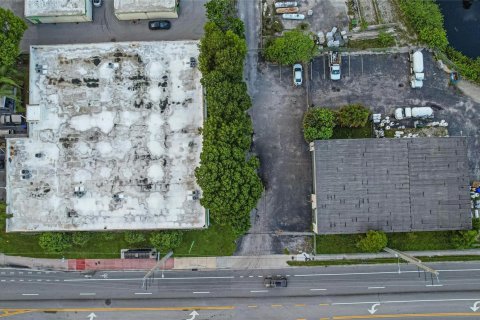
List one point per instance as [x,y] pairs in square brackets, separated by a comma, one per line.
[437,306]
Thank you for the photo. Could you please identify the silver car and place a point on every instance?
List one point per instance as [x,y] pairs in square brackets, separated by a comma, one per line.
[297,74]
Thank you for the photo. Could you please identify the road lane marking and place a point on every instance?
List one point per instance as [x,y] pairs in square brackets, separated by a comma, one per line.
[138,279]
[407,315]
[260,276]
[201,291]
[3,280]
[241,276]
[139,293]
[318,289]
[301,319]
[376,288]
[257,291]
[378,272]
[402,301]
[276,306]
[87,293]
[323,304]
[29,294]
[434,285]
[252,306]
[300,305]
[250,276]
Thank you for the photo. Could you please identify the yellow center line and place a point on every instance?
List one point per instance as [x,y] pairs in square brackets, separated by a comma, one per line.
[408,315]
[324,318]
[323,304]
[300,305]
[276,305]
[12,312]
[301,319]
[191,308]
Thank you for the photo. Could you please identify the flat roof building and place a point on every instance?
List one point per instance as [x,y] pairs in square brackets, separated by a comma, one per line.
[145,9]
[114,139]
[394,185]
[55,11]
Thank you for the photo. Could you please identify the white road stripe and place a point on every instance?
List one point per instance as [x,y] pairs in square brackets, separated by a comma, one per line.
[143,293]
[401,301]
[201,291]
[434,285]
[3,280]
[250,276]
[376,287]
[255,291]
[318,289]
[29,294]
[379,272]
[138,279]
[87,293]
[260,276]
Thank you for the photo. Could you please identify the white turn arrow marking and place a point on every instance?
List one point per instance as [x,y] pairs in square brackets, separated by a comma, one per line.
[193,315]
[91,316]
[475,306]
[372,310]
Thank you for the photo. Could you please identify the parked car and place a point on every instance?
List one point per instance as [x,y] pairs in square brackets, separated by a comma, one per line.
[297,74]
[97,3]
[275,281]
[159,25]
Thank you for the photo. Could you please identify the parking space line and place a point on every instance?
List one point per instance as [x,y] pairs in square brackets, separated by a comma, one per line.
[361,59]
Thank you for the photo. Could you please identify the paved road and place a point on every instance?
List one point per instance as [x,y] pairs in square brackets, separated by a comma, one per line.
[106,27]
[312,293]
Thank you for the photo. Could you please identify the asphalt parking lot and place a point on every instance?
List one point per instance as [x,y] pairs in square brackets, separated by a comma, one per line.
[286,169]
[380,82]
[106,27]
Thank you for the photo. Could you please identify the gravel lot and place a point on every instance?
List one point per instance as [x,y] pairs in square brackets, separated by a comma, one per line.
[380,81]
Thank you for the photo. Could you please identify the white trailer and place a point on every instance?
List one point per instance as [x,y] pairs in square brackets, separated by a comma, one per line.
[146,9]
[293,16]
[286,4]
[417,74]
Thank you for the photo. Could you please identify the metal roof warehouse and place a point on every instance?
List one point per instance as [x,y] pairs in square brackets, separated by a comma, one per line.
[394,185]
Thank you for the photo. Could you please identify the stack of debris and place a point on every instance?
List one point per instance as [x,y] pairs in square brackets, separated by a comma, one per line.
[334,38]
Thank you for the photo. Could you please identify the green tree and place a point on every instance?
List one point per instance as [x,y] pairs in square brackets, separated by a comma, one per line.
[374,241]
[318,124]
[224,14]
[223,52]
[55,242]
[9,79]
[353,116]
[476,224]
[81,238]
[464,239]
[166,240]
[11,32]
[294,46]
[133,237]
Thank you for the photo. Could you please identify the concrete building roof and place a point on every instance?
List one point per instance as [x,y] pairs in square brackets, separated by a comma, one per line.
[42,8]
[393,185]
[122,6]
[113,141]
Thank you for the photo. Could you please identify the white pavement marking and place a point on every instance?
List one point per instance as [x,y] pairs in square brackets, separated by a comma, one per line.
[376,287]
[401,301]
[138,279]
[56,280]
[434,285]
[256,291]
[29,294]
[250,276]
[39,280]
[87,293]
[201,291]
[3,280]
[12,280]
[260,276]
[139,293]
[378,272]
[21,280]
[241,276]
[318,289]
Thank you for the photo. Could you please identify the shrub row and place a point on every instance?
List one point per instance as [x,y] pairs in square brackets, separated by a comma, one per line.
[227,173]
[318,123]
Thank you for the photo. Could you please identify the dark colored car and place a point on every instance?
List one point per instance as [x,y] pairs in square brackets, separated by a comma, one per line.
[159,25]
[275,281]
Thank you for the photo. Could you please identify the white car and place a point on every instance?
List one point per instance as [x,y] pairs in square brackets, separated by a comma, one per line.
[297,74]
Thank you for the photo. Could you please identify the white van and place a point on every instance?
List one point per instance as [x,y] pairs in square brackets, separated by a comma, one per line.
[415,112]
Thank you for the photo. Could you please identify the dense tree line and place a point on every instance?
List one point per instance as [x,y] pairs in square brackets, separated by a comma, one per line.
[228,172]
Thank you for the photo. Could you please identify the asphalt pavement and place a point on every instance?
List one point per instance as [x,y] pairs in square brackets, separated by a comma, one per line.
[312,293]
[106,27]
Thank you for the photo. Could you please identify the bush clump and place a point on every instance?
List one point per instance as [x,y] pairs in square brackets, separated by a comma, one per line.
[294,46]
[318,124]
[374,241]
[166,240]
[464,239]
[353,116]
[81,238]
[132,237]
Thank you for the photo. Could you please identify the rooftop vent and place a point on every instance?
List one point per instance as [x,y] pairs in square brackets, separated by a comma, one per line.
[193,195]
[71,213]
[79,191]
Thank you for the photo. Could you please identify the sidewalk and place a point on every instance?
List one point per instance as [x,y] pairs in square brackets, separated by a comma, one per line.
[202,263]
